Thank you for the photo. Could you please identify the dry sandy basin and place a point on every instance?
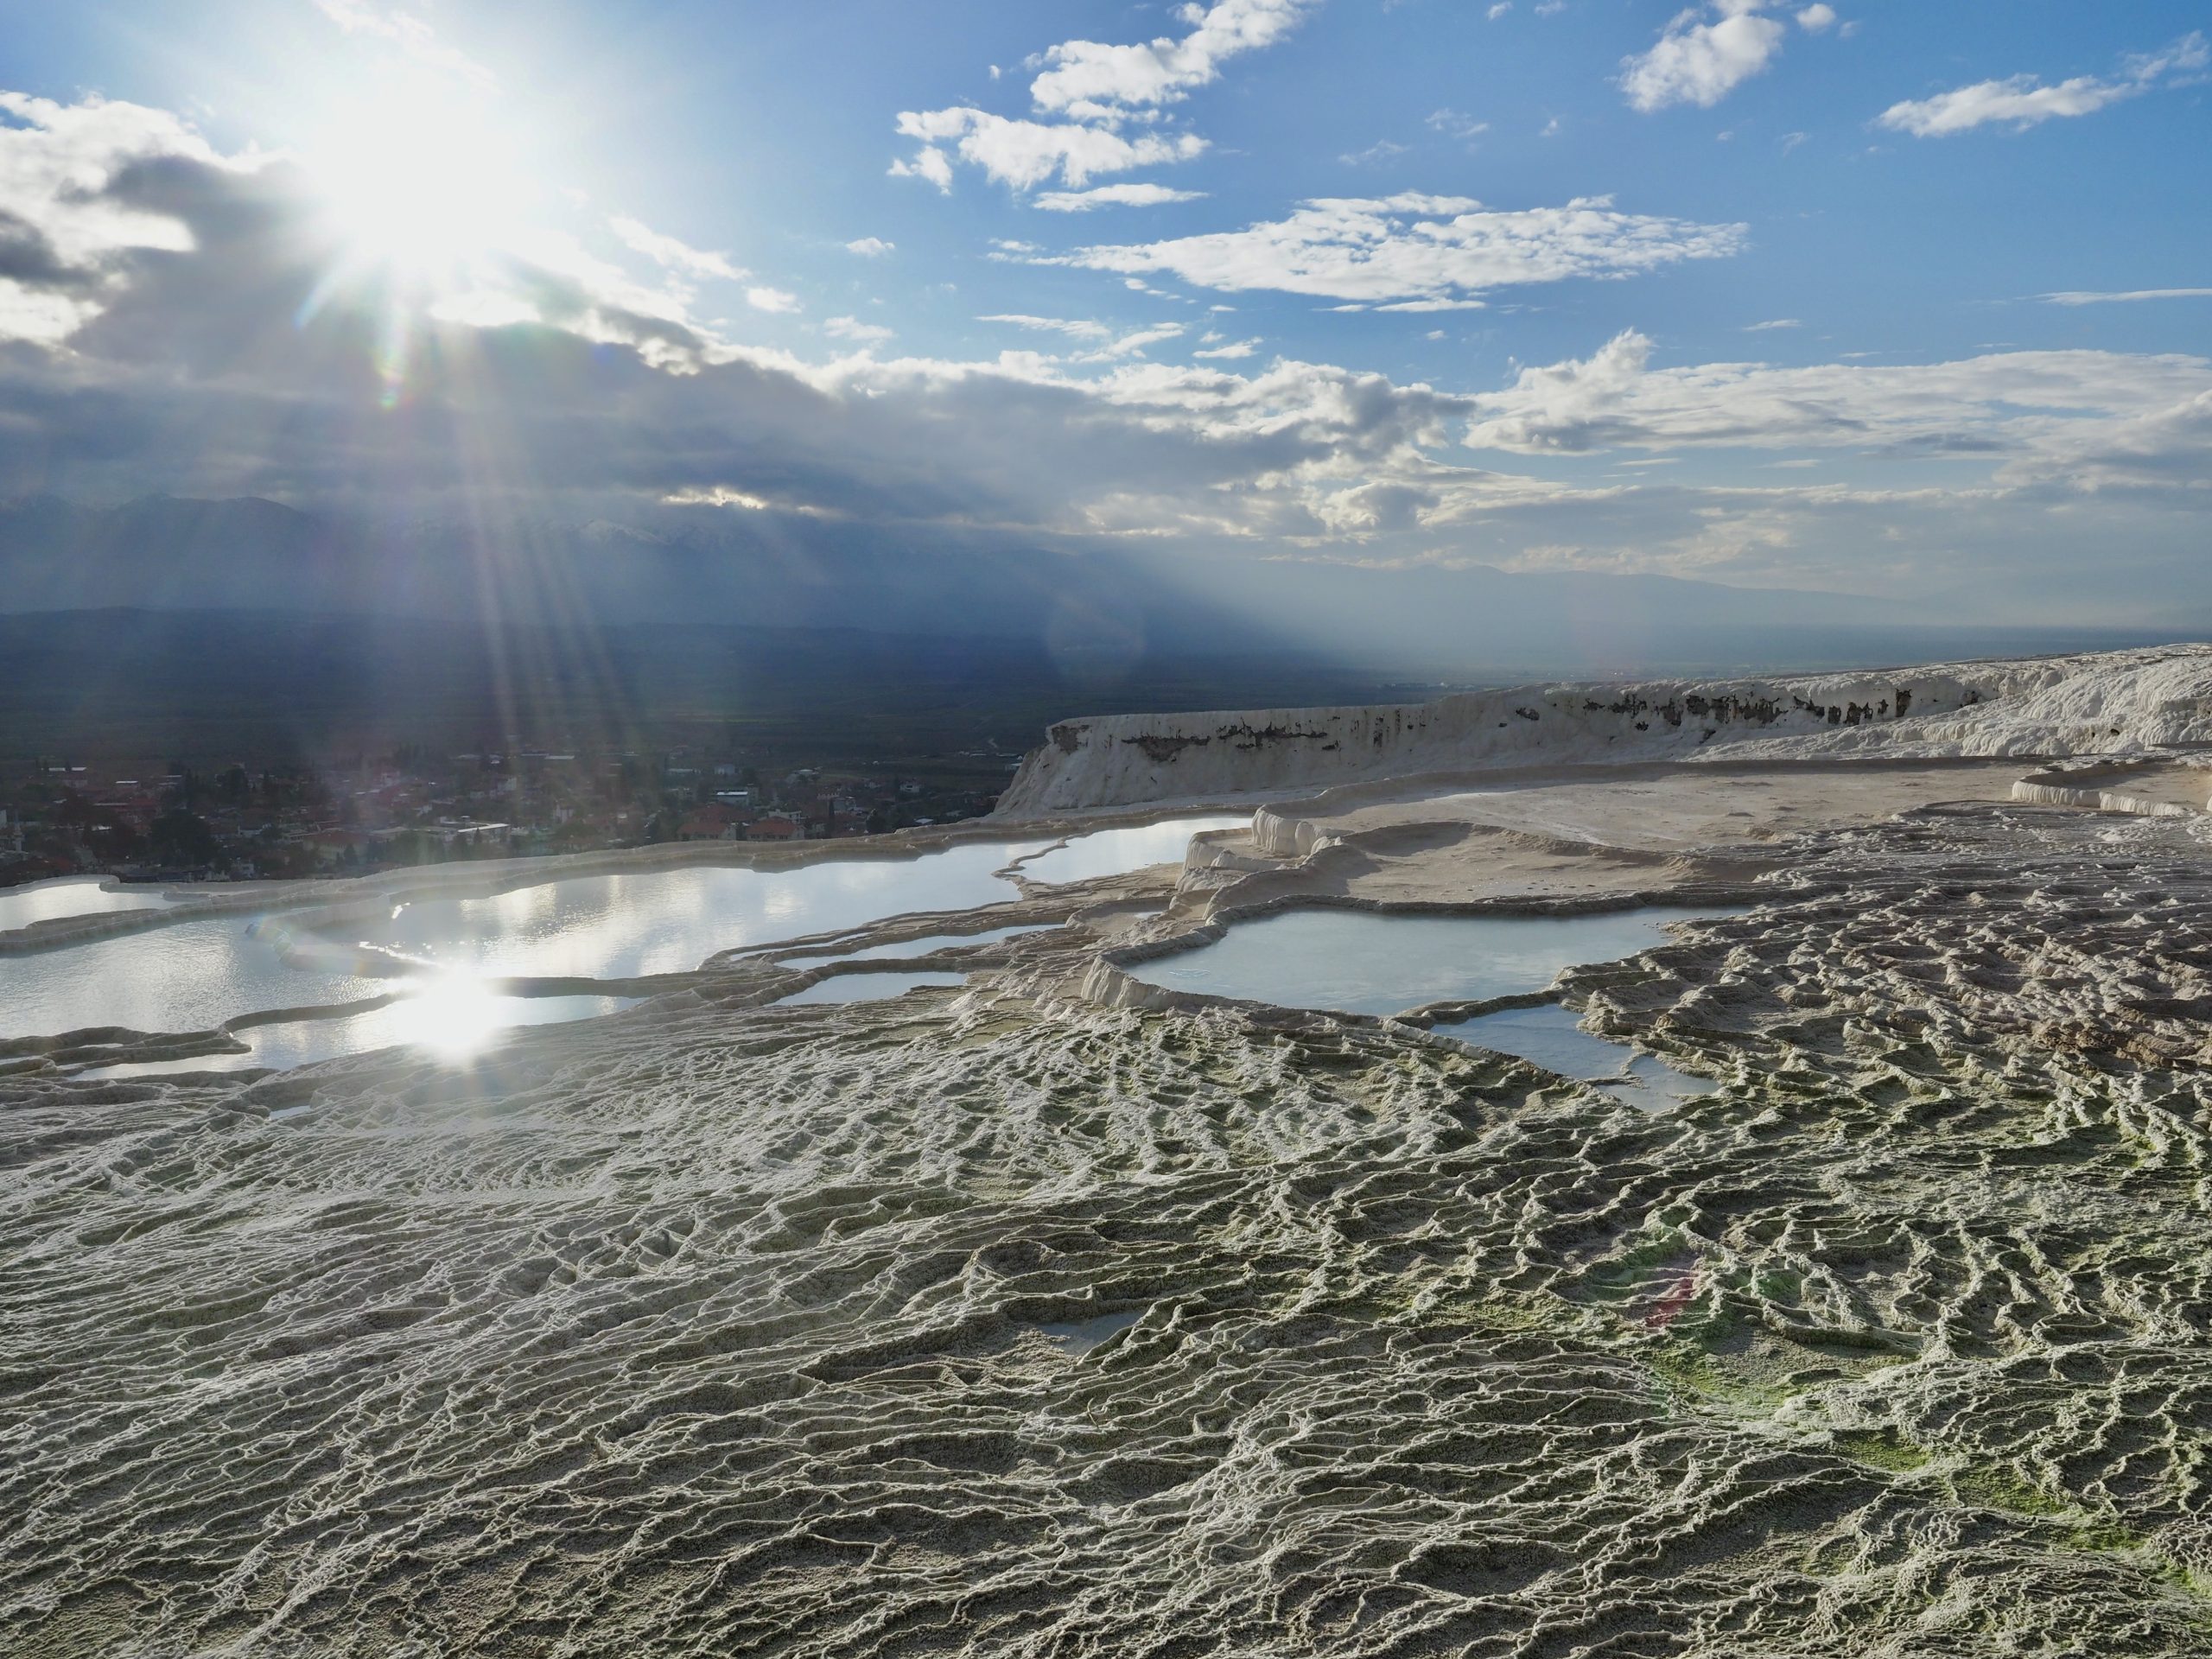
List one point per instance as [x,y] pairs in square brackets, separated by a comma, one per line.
[1043,1316]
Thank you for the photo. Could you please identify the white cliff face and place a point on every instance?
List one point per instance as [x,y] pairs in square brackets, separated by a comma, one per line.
[2112,702]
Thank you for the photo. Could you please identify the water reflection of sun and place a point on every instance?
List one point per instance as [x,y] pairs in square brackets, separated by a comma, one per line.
[452,1017]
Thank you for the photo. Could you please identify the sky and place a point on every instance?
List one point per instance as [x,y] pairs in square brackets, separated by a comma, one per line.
[1907,300]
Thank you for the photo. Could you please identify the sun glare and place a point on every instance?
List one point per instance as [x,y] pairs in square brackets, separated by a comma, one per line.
[454,1018]
[423,185]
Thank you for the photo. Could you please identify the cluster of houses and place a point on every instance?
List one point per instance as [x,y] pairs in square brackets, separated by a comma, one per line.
[176,823]
[804,806]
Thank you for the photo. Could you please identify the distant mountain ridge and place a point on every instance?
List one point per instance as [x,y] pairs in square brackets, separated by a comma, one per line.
[176,554]
[1101,613]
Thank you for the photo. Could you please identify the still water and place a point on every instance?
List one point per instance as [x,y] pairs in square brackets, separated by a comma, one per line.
[867,988]
[1109,852]
[1553,1037]
[1360,962]
[453,1023]
[194,976]
[72,895]
[922,947]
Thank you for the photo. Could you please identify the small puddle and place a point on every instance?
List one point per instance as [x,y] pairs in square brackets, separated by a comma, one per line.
[906,948]
[1363,961]
[1085,1335]
[1552,1037]
[866,988]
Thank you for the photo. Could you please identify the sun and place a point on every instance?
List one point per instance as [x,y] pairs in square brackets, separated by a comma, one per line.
[421,183]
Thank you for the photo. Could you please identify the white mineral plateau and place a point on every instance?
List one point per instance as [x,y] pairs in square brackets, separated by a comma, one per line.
[1053,1312]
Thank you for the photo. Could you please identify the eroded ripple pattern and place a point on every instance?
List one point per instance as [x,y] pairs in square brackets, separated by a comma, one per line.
[721,1333]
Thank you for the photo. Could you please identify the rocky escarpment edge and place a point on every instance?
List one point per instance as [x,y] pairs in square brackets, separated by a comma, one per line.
[2112,702]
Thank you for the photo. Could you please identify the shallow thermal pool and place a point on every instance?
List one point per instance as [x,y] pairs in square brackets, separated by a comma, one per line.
[72,895]
[453,1023]
[1362,962]
[1109,852]
[867,988]
[922,947]
[196,975]
[1553,1037]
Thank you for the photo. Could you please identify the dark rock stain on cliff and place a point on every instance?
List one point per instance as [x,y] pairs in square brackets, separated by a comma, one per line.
[1163,749]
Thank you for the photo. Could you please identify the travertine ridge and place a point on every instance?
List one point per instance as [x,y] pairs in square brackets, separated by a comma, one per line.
[2109,702]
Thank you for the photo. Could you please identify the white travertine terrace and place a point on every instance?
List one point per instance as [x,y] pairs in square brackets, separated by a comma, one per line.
[1052,1313]
[2118,702]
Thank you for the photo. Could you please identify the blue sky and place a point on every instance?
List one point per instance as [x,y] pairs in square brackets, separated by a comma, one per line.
[1754,292]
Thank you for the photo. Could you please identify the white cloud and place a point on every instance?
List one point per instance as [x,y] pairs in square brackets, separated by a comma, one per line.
[929,164]
[2020,405]
[2021,100]
[1088,78]
[1114,195]
[852,329]
[1074,329]
[192,373]
[1702,62]
[870,247]
[675,256]
[1235,350]
[1382,150]
[1423,252]
[88,191]
[1499,9]
[1816,18]
[1453,124]
[1134,344]
[1768,327]
[43,318]
[2025,102]
[1089,93]
[1024,154]
[2166,448]
[774,300]
[2129,297]
[717,495]
[405,30]
[65,238]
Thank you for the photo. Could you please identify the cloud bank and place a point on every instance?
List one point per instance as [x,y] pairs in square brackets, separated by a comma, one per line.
[156,334]
[1413,252]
